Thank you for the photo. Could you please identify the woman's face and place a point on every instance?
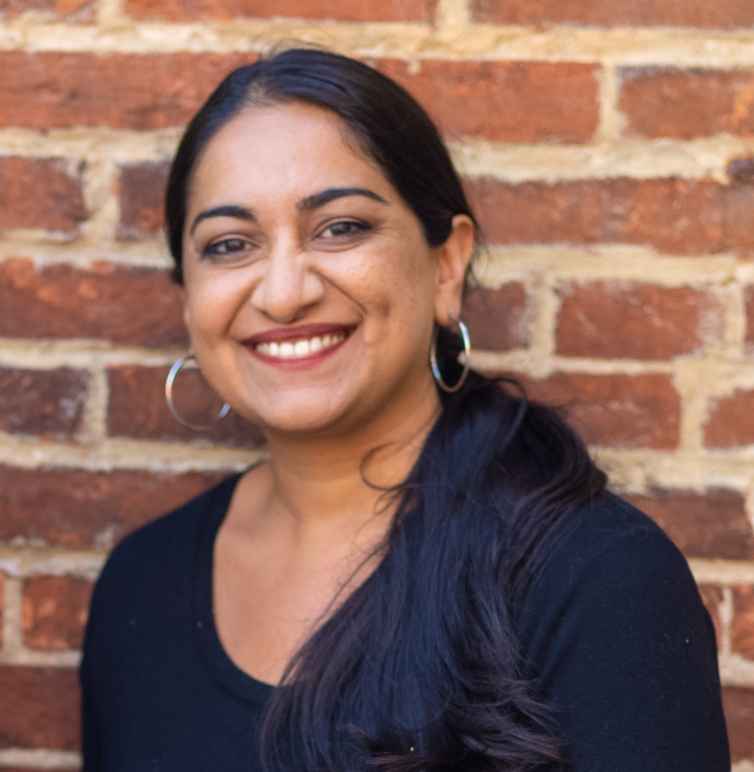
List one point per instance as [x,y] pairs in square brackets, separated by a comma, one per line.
[310,291]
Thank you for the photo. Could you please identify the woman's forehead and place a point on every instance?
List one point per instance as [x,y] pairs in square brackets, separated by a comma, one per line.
[273,148]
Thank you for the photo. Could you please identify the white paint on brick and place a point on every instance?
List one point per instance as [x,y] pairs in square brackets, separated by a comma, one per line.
[42,759]
[29,452]
[736,671]
[147,254]
[452,15]
[635,46]
[94,424]
[725,572]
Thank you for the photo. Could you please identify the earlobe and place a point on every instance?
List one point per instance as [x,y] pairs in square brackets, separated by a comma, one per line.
[453,259]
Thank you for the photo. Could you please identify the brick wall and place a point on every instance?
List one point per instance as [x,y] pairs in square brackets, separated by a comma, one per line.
[610,149]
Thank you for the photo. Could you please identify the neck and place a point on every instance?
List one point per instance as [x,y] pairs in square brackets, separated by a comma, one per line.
[335,481]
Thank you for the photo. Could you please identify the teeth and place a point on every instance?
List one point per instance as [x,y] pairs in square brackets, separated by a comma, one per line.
[299,349]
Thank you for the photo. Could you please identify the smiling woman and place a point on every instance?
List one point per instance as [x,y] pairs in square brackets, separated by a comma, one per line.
[428,572]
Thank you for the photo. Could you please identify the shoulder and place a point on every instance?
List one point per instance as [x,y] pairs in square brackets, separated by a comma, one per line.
[613,569]
[161,548]
[608,533]
[614,633]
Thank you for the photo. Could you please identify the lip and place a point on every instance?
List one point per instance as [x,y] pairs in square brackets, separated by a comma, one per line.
[293,333]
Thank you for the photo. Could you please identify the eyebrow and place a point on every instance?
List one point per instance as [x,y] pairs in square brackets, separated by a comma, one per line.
[305,204]
[331,194]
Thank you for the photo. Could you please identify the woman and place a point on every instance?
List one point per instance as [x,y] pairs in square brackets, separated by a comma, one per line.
[427,573]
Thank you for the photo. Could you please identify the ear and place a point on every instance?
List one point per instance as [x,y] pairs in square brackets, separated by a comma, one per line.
[453,259]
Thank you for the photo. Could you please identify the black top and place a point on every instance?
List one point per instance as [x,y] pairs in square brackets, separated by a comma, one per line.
[613,627]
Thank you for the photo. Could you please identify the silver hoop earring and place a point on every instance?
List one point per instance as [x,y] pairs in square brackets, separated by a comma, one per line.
[178,365]
[464,332]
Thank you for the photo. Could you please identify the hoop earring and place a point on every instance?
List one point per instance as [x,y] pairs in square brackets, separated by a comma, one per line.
[178,365]
[437,375]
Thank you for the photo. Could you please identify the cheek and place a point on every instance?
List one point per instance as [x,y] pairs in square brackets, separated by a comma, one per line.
[210,307]
[397,292]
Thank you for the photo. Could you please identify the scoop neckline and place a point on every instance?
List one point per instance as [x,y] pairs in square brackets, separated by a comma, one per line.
[221,665]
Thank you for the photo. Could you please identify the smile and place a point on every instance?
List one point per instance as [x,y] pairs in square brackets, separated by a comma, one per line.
[300,348]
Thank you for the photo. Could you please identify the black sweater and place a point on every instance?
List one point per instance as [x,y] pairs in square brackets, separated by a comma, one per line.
[613,628]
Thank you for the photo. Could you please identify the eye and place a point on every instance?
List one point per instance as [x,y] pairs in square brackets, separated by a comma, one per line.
[344,228]
[224,247]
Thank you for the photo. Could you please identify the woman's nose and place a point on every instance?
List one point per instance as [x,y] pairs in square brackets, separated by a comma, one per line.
[288,286]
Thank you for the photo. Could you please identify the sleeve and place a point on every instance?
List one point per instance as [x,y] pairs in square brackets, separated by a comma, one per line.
[90,734]
[622,648]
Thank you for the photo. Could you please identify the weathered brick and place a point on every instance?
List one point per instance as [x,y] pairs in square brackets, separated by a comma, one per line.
[39,193]
[139,306]
[137,408]
[730,422]
[673,215]
[505,101]
[125,91]
[713,524]
[54,611]
[742,627]
[738,203]
[47,402]
[40,769]
[749,305]
[2,610]
[739,714]
[45,708]
[722,14]
[192,10]
[58,10]
[80,509]
[497,318]
[712,597]
[629,411]
[141,192]
[687,103]
[616,319]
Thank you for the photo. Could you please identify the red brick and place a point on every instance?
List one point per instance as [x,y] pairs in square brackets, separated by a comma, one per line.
[712,597]
[54,10]
[505,101]
[40,769]
[629,411]
[2,609]
[141,189]
[39,193]
[675,216]
[749,301]
[359,10]
[78,509]
[722,14]
[738,202]
[730,422]
[713,524]
[687,103]
[45,708]
[54,612]
[48,402]
[137,408]
[742,628]
[125,91]
[497,318]
[631,320]
[138,306]
[739,714]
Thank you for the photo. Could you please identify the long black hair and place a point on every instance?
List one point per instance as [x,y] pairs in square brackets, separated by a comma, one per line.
[419,668]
